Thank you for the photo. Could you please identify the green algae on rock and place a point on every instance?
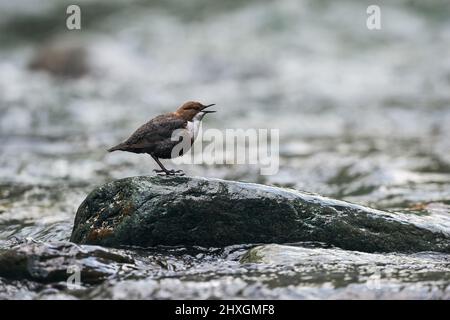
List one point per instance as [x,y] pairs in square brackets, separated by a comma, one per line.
[149,211]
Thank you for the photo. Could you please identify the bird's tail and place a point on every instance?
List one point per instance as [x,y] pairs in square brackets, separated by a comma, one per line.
[116,148]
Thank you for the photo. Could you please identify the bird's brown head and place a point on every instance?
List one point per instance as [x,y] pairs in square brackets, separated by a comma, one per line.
[191,109]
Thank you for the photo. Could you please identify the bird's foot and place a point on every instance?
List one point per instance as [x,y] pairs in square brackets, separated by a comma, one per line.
[169,172]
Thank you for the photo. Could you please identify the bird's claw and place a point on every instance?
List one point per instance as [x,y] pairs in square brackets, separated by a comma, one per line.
[169,172]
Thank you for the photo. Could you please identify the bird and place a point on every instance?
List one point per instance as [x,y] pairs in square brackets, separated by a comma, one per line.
[156,137]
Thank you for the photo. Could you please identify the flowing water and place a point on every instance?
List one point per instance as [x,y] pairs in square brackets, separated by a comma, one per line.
[363,116]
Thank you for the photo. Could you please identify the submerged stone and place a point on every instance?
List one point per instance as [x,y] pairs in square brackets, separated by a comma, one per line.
[58,261]
[276,254]
[150,211]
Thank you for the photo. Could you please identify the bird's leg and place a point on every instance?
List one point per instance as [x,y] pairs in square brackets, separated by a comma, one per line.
[163,169]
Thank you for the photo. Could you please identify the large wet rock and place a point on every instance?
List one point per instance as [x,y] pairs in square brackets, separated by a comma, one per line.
[149,211]
[61,59]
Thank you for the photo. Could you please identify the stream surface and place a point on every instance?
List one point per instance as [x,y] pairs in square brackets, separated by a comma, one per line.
[363,116]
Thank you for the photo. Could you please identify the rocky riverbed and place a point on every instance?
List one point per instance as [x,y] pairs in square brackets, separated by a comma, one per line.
[363,117]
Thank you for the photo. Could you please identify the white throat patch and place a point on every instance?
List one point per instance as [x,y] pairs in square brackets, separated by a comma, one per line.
[194,125]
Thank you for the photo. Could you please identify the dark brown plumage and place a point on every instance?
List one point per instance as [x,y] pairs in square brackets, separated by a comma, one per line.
[155,136]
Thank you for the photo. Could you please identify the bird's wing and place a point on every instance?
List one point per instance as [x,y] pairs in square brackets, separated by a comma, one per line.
[155,130]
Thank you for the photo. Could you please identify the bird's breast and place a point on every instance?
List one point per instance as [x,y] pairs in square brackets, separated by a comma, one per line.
[193,128]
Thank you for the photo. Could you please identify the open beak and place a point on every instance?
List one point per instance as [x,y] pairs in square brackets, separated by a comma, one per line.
[208,111]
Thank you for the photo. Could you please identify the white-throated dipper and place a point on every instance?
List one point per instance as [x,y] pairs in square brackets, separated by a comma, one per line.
[156,136]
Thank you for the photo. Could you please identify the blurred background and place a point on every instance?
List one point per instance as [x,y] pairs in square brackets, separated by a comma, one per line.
[364,115]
